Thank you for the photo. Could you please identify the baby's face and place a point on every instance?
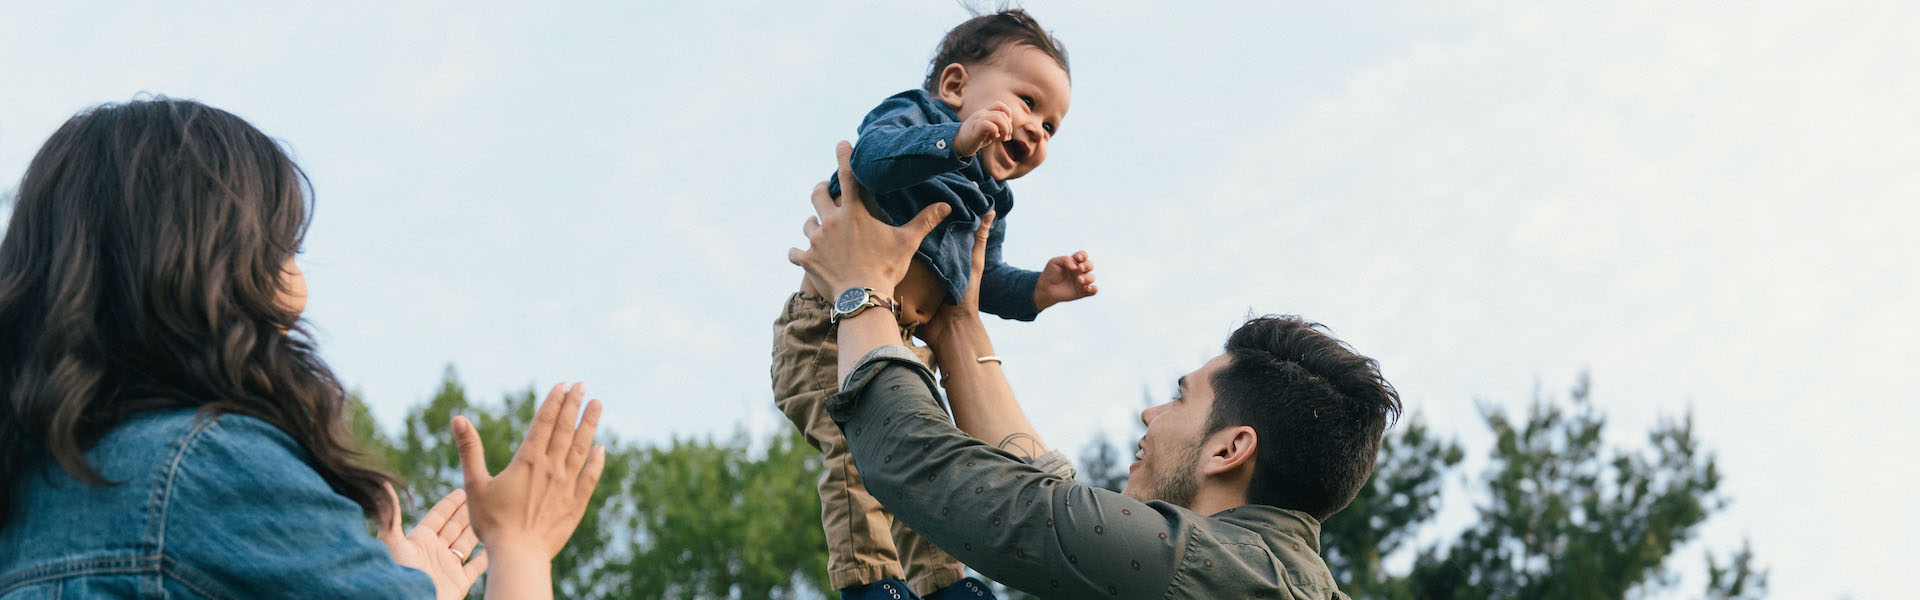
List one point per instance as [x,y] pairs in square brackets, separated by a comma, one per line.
[1037,90]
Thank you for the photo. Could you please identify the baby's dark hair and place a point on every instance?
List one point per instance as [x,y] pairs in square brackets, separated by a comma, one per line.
[975,41]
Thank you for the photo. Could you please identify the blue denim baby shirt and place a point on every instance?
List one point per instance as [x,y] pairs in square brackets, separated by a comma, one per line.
[905,160]
[206,507]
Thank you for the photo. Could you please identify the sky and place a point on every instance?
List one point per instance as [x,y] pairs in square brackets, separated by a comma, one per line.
[1706,206]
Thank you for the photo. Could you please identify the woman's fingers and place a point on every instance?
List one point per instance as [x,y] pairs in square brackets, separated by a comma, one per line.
[460,522]
[562,436]
[476,566]
[540,432]
[583,437]
[464,541]
[444,514]
[473,458]
[589,477]
[392,531]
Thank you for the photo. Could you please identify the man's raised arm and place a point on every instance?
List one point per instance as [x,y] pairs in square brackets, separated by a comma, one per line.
[1011,519]
[983,404]
[1025,524]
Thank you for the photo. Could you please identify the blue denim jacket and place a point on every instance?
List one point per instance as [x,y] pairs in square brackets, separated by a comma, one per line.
[222,507]
[905,159]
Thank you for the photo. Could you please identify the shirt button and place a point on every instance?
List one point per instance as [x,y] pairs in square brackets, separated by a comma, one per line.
[941,144]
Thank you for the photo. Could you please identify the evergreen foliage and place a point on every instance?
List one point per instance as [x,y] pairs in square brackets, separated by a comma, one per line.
[1559,514]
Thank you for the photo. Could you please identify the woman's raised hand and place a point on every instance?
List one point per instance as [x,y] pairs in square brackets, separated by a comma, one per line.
[530,509]
[441,545]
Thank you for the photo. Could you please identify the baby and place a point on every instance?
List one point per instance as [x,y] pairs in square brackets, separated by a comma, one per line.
[995,94]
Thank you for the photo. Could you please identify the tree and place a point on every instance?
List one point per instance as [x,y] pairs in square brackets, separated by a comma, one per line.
[696,518]
[1565,517]
[1402,494]
[1101,464]
[1561,515]
[1104,461]
[714,521]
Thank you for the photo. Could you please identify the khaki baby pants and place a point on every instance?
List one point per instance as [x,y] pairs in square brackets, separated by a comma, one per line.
[864,543]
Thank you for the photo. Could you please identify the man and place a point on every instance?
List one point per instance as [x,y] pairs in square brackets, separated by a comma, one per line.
[1232,480]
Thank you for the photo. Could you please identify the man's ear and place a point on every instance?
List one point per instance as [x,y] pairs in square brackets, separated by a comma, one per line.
[1228,450]
[953,85]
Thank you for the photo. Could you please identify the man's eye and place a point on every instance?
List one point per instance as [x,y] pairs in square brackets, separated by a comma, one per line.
[1028,100]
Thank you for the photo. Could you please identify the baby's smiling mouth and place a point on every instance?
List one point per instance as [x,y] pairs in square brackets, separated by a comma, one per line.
[1016,150]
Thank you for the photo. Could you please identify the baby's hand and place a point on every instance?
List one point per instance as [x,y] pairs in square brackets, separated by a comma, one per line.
[985,126]
[1066,278]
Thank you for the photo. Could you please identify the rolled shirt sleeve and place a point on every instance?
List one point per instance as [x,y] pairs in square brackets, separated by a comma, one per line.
[1025,524]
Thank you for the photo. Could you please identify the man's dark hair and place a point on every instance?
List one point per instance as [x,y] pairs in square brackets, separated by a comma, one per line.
[975,41]
[1317,407]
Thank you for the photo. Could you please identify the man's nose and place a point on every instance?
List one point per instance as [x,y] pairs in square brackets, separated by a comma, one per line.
[1146,416]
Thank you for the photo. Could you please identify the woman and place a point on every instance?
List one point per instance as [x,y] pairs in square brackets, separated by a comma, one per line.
[166,427]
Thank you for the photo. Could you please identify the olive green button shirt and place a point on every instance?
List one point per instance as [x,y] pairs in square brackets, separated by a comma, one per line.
[1031,526]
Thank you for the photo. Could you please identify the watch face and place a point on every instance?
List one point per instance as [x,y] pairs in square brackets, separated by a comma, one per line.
[850,300]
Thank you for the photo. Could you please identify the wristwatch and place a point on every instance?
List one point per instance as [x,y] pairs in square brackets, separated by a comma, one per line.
[857,299]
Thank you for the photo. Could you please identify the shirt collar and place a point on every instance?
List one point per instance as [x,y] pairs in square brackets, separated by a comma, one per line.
[1268,520]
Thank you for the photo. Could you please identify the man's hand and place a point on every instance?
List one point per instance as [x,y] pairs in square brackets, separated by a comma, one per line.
[1065,279]
[985,126]
[849,248]
[968,310]
[440,545]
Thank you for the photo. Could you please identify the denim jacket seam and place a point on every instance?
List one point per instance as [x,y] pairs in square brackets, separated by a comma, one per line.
[193,578]
[162,497]
[68,569]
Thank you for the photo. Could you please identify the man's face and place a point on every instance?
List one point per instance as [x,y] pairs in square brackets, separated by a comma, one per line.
[1167,465]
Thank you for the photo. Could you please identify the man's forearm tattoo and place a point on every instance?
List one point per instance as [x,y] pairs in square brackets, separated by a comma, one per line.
[1023,445]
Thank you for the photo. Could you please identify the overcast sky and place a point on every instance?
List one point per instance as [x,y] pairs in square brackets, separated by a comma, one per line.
[1708,206]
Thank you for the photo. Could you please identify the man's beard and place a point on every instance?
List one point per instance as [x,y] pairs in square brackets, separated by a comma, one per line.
[1180,484]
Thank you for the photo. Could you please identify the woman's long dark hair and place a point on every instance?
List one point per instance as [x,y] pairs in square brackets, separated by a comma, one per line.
[142,270]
